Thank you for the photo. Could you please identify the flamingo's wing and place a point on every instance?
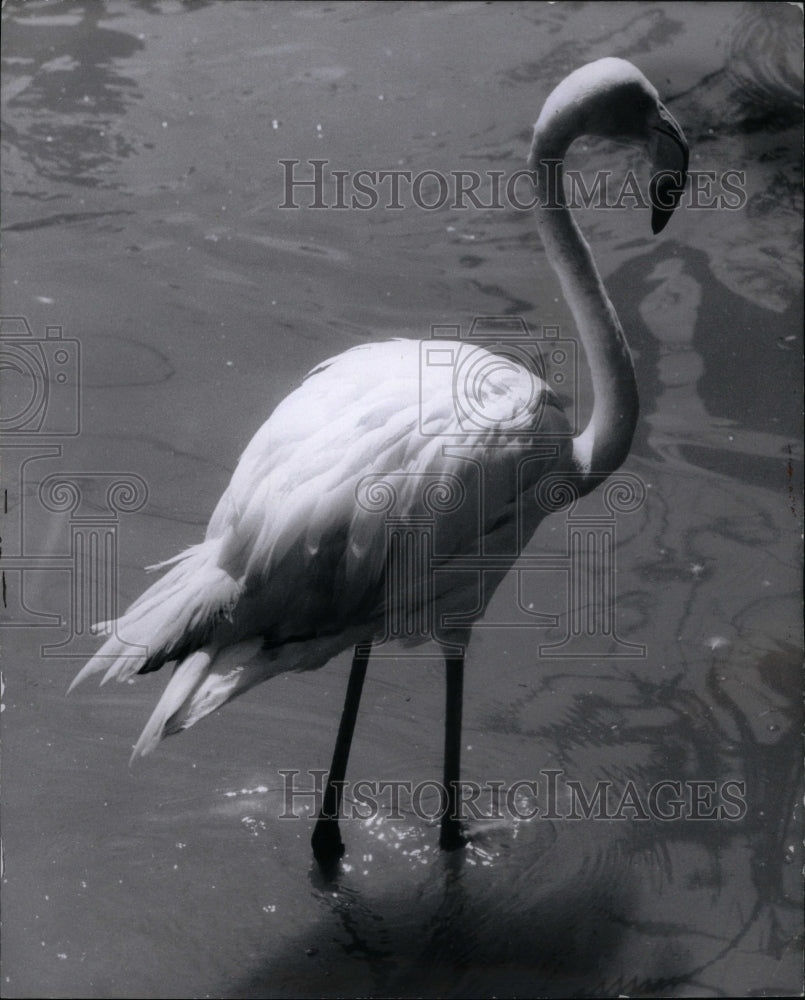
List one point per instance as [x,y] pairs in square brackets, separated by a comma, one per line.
[306,507]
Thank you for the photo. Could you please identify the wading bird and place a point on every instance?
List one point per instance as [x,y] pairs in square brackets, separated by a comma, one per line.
[297,565]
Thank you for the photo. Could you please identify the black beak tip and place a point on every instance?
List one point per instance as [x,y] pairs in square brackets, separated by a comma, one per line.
[664,194]
[659,219]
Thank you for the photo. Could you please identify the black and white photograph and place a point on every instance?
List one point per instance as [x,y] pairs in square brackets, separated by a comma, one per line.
[402,526]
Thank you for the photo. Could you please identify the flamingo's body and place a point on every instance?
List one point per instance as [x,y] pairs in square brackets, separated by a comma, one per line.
[292,569]
[293,566]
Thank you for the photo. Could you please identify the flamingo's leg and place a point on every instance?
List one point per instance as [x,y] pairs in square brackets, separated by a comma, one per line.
[326,841]
[451,836]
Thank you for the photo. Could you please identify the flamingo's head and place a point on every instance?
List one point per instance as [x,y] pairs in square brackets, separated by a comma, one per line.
[611,98]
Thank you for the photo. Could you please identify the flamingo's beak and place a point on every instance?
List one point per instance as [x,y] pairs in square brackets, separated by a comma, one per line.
[670,160]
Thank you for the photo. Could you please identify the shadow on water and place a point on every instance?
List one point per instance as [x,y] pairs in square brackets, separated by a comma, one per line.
[454,939]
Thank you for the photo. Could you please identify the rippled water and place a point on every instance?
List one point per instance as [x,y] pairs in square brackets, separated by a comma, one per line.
[140,209]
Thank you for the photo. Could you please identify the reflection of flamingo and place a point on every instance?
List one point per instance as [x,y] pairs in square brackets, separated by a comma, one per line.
[293,566]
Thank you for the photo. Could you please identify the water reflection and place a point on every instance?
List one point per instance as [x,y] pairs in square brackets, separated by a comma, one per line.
[752,108]
[69,95]
[680,419]
[765,65]
[558,934]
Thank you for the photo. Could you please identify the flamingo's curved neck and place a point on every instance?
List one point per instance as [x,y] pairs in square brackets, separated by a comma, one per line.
[604,444]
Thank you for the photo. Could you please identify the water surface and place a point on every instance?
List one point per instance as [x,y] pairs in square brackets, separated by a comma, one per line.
[141,200]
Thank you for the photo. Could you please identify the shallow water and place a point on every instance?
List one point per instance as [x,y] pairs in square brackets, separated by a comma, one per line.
[140,206]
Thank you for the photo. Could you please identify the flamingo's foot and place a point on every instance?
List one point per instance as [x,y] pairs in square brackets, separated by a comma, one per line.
[326,841]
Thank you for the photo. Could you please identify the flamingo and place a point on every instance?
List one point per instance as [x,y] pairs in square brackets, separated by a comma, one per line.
[295,566]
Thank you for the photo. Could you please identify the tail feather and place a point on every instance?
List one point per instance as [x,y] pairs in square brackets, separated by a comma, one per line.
[199,685]
[209,678]
[170,620]
[186,678]
[174,620]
